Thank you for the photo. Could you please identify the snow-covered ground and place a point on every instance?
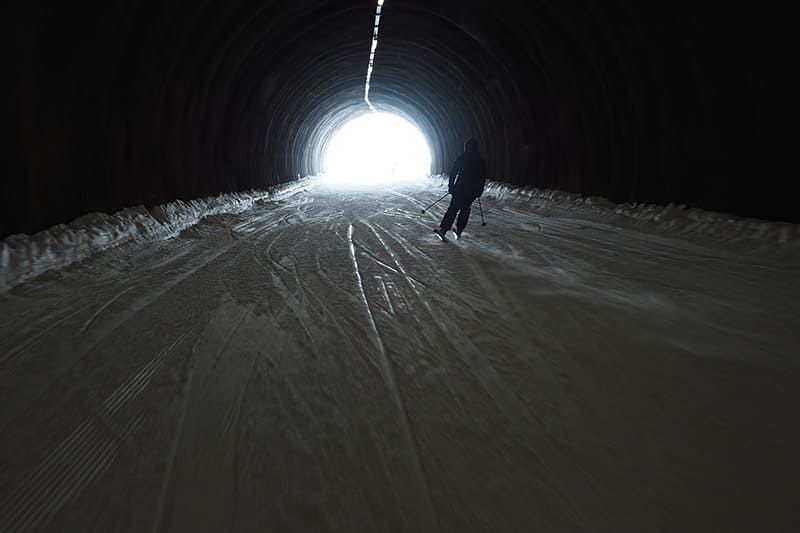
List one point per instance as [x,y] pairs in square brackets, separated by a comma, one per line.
[317,360]
[25,256]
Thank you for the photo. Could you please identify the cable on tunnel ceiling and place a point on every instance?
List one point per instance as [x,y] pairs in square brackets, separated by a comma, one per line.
[373,47]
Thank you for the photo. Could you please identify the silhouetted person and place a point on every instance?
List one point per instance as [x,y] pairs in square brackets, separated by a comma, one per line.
[467,180]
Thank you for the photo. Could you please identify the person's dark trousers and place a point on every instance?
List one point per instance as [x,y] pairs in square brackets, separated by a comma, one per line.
[460,205]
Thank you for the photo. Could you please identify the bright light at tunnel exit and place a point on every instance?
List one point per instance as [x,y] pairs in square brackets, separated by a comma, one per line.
[377,148]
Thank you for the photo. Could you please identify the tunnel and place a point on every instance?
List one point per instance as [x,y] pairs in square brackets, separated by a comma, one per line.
[119,104]
[220,311]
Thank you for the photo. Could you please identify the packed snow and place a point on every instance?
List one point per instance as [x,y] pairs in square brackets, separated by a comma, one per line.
[314,359]
[25,256]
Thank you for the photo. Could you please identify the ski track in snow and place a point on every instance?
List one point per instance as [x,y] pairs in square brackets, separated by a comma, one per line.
[320,361]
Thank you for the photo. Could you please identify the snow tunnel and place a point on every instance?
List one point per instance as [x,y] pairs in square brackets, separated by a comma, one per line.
[316,359]
[141,104]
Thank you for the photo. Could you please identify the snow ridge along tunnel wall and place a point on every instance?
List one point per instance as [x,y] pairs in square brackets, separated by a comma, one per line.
[25,256]
[120,104]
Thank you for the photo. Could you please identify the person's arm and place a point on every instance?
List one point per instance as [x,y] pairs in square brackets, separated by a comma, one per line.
[453,172]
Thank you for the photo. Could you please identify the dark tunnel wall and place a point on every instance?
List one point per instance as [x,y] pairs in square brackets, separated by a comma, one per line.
[114,104]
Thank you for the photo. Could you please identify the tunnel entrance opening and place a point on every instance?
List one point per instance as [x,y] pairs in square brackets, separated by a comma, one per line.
[376,148]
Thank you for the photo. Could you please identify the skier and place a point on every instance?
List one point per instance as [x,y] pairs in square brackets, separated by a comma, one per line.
[467,180]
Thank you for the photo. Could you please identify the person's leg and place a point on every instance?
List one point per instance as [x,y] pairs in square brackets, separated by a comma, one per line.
[463,214]
[450,214]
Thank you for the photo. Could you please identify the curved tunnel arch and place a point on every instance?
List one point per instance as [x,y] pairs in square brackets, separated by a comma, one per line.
[117,104]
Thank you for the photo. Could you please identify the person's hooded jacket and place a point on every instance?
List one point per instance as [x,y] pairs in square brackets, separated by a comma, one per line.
[468,175]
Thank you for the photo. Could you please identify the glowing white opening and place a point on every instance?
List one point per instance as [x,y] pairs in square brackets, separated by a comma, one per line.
[377,148]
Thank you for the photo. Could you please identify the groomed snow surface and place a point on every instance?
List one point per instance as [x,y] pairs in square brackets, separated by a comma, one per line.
[316,360]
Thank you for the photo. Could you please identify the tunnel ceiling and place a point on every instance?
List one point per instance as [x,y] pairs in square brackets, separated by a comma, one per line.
[114,104]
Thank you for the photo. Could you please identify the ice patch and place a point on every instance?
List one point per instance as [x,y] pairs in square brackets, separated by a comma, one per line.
[25,256]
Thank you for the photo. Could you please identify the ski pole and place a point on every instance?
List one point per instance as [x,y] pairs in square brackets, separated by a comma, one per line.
[483,222]
[434,203]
